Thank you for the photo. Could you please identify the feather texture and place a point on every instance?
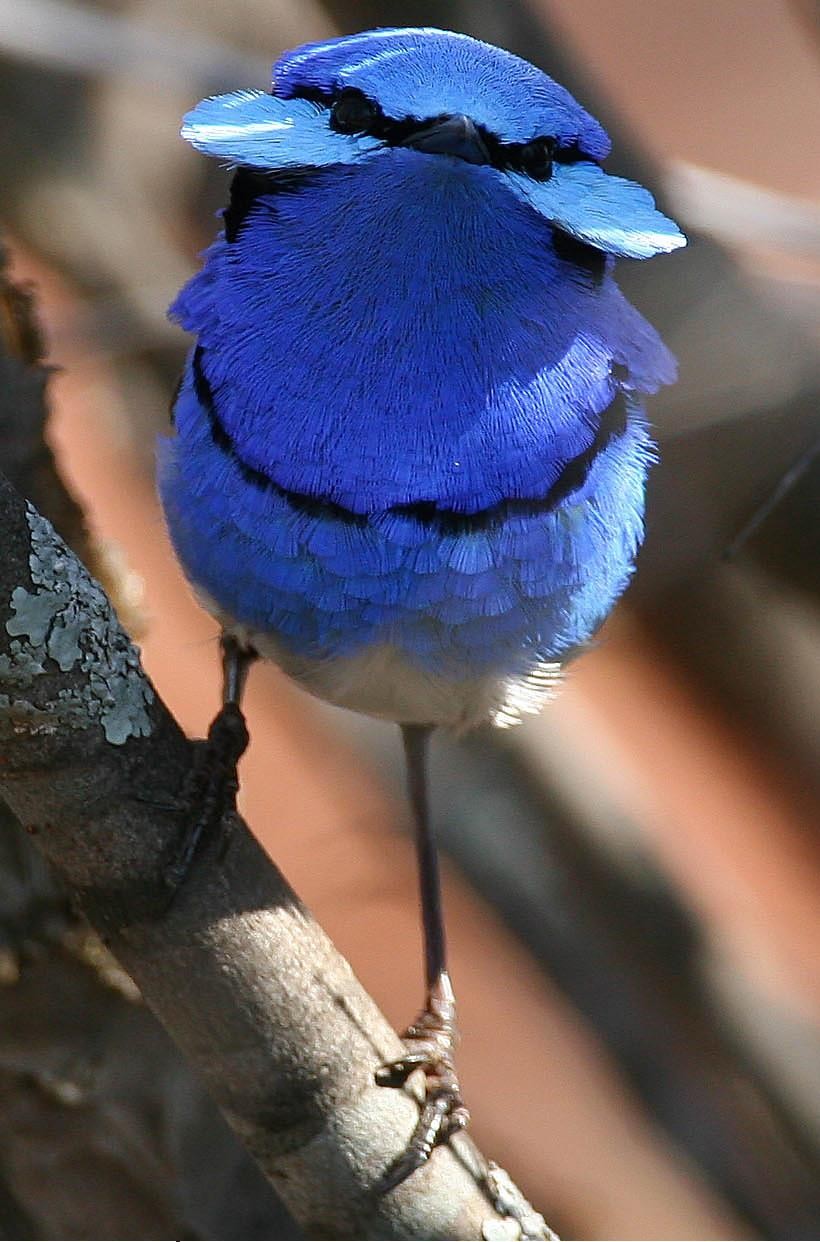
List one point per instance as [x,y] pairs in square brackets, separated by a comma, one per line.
[410,453]
[429,73]
[406,330]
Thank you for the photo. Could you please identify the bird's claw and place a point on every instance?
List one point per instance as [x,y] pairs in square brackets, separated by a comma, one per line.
[210,789]
[443,1115]
[430,1044]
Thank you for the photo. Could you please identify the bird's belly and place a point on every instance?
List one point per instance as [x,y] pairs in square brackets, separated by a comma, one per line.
[381,681]
[395,613]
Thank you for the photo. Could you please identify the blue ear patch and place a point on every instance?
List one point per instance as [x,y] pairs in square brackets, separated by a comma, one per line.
[258,130]
[262,131]
[607,212]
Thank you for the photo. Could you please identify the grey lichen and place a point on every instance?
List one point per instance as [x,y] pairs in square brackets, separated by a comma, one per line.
[521,1220]
[67,619]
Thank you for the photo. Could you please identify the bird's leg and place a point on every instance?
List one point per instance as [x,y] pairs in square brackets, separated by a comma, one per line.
[213,783]
[431,1038]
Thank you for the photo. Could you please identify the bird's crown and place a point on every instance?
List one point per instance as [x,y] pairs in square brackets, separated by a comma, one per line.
[438,93]
[425,74]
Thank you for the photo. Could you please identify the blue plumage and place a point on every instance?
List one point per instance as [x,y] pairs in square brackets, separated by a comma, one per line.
[462,602]
[412,419]
[428,73]
[410,452]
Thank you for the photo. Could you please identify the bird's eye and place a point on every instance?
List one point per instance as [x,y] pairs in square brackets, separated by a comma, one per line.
[353,113]
[535,158]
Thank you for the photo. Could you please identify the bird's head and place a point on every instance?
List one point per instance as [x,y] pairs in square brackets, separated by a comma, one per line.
[447,96]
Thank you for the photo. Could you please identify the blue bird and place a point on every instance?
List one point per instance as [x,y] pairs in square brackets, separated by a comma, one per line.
[410,451]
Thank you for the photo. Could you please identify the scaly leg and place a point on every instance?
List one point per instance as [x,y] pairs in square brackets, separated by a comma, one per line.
[213,783]
[431,1038]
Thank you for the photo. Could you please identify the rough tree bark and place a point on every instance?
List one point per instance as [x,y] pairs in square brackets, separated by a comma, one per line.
[242,977]
[92,1091]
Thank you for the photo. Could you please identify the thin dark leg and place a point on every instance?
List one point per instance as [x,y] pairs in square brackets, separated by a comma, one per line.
[236,662]
[416,739]
[213,783]
[430,1040]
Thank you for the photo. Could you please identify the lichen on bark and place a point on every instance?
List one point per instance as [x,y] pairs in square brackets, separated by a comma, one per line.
[66,618]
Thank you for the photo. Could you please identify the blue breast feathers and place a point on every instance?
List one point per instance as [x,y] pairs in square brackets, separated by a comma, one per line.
[410,331]
[459,597]
[412,415]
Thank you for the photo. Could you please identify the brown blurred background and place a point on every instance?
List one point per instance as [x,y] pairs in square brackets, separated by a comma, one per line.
[632,878]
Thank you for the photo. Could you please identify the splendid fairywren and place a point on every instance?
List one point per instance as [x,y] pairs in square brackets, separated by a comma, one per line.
[410,453]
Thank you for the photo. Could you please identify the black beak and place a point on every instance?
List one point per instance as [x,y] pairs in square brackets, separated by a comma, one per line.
[454,135]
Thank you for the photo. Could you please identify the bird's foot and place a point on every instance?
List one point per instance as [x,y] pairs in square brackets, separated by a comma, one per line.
[430,1041]
[210,789]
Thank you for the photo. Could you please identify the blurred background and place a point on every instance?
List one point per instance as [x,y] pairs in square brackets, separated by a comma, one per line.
[632,878]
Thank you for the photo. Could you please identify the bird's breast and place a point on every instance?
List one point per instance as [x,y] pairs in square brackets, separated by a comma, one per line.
[406,331]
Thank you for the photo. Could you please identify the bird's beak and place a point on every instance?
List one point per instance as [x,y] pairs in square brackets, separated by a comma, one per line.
[455,135]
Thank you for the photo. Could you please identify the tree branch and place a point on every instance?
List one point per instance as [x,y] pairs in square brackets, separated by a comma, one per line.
[89,1085]
[245,981]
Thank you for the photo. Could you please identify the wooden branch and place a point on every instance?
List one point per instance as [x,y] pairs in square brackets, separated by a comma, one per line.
[89,1087]
[245,981]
